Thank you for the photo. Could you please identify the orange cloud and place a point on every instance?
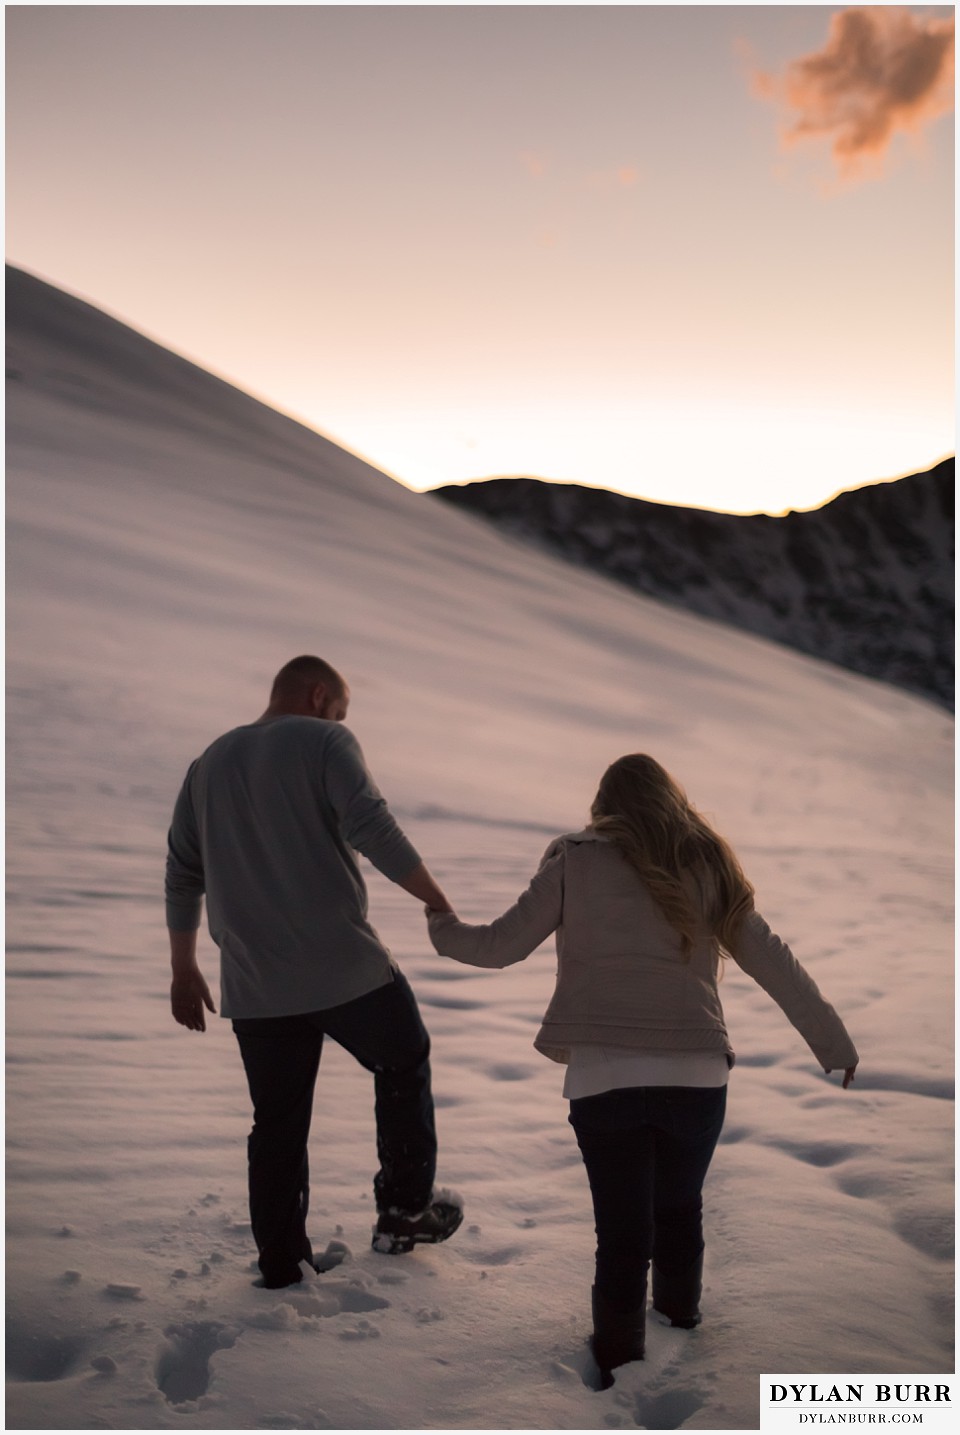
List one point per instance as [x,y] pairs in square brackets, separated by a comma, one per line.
[882,71]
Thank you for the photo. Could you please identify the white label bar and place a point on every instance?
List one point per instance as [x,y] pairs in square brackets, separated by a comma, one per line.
[824,1403]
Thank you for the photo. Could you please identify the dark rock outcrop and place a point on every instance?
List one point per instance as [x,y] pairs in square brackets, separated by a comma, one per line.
[866,581]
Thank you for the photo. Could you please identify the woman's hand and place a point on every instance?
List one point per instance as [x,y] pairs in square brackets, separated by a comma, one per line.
[848,1075]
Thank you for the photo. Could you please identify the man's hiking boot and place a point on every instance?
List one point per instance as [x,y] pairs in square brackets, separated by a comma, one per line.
[395,1234]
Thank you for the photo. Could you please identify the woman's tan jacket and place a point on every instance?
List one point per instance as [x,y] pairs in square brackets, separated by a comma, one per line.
[622,979]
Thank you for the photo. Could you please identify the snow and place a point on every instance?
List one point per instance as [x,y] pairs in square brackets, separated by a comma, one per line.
[161,569]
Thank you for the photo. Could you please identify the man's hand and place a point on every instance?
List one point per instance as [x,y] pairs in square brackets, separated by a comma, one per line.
[421,885]
[848,1074]
[189,994]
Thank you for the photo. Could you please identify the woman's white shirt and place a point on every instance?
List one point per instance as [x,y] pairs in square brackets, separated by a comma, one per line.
[592,1070]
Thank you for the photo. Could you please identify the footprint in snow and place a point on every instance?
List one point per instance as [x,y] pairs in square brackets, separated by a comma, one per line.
[864,1185]
[668,1410]
[451,1003]
[38,1356]
[819,1153]
[927,1229]
[354,1298]
[318,1299]
[183,1364]
[498,1257]
[510,1071]
[941,1307]
[942,1088]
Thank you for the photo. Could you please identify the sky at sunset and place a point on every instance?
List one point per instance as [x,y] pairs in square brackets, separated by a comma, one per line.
[703,254]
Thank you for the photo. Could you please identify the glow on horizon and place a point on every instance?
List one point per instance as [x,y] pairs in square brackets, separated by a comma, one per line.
[672,462]
[751,457]
[612,276]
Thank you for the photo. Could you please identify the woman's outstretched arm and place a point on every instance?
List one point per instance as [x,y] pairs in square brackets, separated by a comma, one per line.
[520,930]
[763,956]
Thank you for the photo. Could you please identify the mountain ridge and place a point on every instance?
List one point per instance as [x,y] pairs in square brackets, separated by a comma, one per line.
[865,581]
[41,317]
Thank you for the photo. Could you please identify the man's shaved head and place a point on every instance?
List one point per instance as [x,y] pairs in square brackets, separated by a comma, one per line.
[297,679]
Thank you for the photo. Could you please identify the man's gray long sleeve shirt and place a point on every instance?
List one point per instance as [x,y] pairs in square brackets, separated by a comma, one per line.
[264,825]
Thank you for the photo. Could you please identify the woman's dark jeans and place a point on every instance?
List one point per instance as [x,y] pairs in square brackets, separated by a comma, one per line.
[647,1150]
[281,1056]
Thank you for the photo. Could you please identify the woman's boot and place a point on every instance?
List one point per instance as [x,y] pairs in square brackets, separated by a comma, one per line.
[676,1297]
[618,1336]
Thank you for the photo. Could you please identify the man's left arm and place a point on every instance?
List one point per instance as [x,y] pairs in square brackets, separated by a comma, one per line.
[367,823]
[420,884]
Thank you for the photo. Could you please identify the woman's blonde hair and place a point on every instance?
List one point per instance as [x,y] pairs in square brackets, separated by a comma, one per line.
[647,816]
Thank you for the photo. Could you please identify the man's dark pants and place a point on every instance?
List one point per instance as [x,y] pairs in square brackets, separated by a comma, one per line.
[647,1150]
[281,1056]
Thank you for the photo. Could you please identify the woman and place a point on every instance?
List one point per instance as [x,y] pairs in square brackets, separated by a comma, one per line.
[644,903]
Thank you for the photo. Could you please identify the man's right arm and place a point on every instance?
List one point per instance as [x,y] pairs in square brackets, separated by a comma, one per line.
[189,993]
[184,888]
[184,885]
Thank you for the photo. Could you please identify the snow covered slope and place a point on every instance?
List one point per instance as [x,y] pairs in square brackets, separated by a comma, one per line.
[171,543]
[865,581]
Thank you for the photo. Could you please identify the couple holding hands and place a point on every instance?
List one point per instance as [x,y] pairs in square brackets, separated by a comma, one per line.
[646,901]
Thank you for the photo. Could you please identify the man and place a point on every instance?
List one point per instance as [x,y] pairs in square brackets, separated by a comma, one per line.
[265,825]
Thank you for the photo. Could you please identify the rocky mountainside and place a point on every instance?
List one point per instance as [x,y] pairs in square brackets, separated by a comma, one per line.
[865,581]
